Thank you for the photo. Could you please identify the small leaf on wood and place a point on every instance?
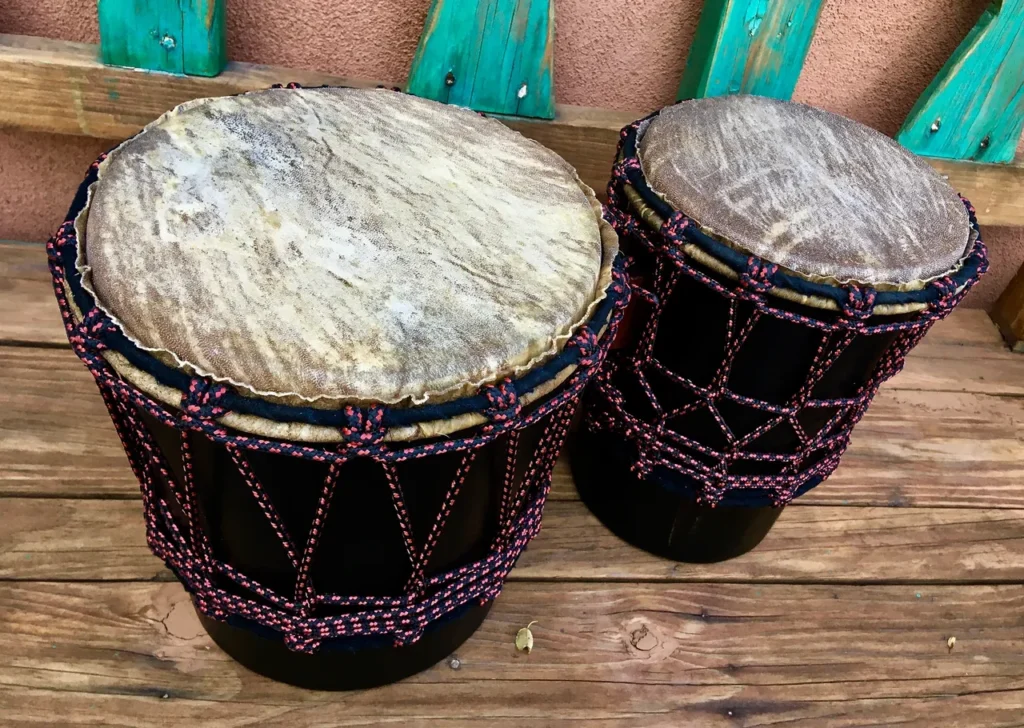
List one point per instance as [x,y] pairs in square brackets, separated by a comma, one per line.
[950,643]
[524,638]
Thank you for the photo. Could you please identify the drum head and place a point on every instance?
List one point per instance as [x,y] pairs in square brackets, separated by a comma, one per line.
[344,245]
[817,193]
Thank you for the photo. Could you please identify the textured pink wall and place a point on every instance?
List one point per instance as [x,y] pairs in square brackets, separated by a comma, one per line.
[870,60]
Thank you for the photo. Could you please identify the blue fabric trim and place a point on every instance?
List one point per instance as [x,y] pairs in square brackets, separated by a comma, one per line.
[393,417]
[738,261]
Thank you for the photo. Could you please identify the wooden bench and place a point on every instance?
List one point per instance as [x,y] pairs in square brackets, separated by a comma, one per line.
[843,613]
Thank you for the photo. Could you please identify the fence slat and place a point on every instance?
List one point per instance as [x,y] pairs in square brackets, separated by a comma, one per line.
[749,47]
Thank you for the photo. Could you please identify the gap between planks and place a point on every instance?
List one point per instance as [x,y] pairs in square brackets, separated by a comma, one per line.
[87,540]
[716,654]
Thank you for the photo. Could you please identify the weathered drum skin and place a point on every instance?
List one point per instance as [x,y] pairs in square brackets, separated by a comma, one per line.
[258,231]
[786,260]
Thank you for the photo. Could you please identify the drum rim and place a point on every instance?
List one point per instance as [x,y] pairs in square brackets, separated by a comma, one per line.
[785,283]
[255,415]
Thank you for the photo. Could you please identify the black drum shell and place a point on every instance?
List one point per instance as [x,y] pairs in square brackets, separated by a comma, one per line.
[659,513]
[360,551]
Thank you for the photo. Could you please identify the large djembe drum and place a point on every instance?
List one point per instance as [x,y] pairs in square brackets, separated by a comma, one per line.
[786,261]
[341,334]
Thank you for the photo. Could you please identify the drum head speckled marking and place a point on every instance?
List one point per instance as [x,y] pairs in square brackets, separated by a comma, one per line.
[809,190]
[353,245]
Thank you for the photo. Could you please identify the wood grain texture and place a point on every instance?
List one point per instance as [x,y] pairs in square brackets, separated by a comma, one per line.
[631,654]
[974,108]
[96,539]
[204,28]
[915,447]
[749,47]
[996,190]
[55,433]
[494,56]
[1008,312]
[517,703]
[28,309]
[173,36]
[60,87]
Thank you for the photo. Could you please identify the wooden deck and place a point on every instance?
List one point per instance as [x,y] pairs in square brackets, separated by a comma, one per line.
[841,617]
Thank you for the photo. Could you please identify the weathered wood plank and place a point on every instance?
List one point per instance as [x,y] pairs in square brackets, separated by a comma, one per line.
[996,190]
[56,86]
[55,433]
[97,539]
[749,47]
[204,28]
[916,448]
[521,703]
[142,35]
[974,107]
[626,654]
[30,312]
[490,55]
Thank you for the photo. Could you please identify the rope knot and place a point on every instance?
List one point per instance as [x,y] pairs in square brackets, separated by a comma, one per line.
[947,292]
[60,238]
[504,401]
[674,227]
[588,344]
[90,332]
[626,226]
[203,399]
[623,168]
[860,303]
[363,426]
[757,276]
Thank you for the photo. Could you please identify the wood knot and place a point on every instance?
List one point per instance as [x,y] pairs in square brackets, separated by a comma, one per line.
[642,639]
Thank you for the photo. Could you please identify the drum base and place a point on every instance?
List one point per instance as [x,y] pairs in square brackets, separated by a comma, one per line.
[655,519]
[341,668]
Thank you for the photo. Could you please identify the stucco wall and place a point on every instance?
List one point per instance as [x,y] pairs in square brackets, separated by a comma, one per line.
[870,59]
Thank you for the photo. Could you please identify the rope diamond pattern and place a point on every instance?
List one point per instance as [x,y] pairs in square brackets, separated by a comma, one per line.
[624,401]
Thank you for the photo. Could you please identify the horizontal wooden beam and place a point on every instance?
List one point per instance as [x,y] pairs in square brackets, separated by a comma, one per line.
[61,87]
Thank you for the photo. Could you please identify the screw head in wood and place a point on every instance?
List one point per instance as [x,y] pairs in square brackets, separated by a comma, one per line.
[521,93]
[449,79]
[168,42]
[985,142]
[935,125]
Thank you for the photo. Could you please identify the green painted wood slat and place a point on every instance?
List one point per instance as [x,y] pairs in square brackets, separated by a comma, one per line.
[749,47]
[974,108]
[174,36]
[489,55]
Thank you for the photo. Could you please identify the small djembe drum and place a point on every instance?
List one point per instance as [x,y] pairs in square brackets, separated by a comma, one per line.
[341,334]
[786,260]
